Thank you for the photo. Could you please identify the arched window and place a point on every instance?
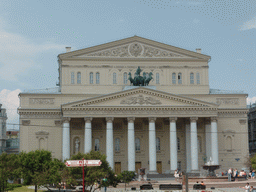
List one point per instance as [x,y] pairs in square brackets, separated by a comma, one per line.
[79,78]
[179,78]
[97,78]
[72,78]
[137,144]
[91,78]
[197,78]
[157,144]
[125,78]
[229,143]
[114,78]
[157,78]
[191,78]
[178,143]
[199,144]
[174,78]
[117,145]
[97,145]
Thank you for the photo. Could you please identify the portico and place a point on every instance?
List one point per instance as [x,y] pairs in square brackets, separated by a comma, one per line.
[149,112]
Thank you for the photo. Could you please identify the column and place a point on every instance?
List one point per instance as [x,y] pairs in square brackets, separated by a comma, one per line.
[109,141]
[152,145]
[66,139]
[188,148]
[208,140]
[194,150]
[88,134]
[173,144]
[131,144]
[214,141]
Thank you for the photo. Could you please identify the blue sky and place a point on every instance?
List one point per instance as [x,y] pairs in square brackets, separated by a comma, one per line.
[33,33]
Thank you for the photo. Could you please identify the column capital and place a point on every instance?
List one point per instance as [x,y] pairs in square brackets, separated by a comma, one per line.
[152,119]
[109,119]
[88,119]
[130,119]
[192,119]
[213,119]
[173,119]
[66,119]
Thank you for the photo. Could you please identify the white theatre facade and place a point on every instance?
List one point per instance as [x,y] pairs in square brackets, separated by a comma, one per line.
[176,121]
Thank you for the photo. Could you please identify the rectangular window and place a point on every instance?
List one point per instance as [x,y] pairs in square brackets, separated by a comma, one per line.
[179,78]
[97,78]
[125,78]
[197,78]
[191,78]
[157,78]
[72,78]
[78,78]
[174,78]
[91,78]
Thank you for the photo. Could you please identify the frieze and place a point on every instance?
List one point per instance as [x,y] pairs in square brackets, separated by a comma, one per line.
[227,101]
[135,50]
[140,100]
[41,101]
[42,133]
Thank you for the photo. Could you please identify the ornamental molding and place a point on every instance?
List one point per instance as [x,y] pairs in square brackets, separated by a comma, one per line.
[135,50]
[25,122]
[41,101]
[227,101]
[38,114]
[141,100]
[42,133]
[233,113]
[242,121]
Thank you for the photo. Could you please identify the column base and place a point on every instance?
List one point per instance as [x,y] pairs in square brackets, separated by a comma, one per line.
[153,172]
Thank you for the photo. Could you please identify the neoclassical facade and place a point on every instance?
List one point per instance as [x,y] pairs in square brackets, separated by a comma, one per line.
[176,121]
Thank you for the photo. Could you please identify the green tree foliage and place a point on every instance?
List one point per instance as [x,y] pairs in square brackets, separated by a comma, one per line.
[253,162]
[72,175]
[8,169]
[126,177]
[38,168]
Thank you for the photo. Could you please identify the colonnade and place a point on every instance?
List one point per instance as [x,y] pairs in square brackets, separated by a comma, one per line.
[191,142]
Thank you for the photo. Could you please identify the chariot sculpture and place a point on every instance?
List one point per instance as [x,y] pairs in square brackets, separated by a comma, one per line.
[140,80]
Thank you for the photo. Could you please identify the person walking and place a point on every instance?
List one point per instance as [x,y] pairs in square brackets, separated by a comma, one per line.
[247,187]
[229,174]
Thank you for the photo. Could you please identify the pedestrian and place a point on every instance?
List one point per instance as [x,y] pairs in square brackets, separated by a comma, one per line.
[253,174]
[202,183]
[105,184]
[176,175]
[229,174]
[247,187]
[251,189]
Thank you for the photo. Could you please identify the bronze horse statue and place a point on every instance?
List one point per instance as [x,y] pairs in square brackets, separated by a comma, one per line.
[139,80]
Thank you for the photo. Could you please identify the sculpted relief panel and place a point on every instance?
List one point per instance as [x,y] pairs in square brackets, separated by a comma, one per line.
[227,101]
[140,100]
[135,50]
[41,101]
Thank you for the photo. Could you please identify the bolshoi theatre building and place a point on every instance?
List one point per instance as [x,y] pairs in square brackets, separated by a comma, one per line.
[173,121]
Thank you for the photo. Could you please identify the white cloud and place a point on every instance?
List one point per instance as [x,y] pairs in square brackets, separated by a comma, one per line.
[17,53]
[10,101]
[249,24]
[251,100]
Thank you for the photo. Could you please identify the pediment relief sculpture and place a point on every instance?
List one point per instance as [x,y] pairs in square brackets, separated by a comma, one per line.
[141,100]
[135,49]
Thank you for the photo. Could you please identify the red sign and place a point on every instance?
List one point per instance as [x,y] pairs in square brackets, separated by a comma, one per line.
[81,163]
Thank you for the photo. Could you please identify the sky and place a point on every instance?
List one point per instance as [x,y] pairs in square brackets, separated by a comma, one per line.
[33,33]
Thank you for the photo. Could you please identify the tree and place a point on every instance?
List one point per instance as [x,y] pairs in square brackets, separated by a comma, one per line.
[38,168]
[126,176]
[92,174]
[8,169]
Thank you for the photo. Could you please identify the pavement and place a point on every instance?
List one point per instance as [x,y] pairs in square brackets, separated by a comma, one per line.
[234,186]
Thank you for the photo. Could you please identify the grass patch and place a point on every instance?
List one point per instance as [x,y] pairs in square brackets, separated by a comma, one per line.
[24,189]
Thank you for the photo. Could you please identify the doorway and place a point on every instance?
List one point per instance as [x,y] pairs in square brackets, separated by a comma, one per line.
[159,167]
[137,167]
[117,167]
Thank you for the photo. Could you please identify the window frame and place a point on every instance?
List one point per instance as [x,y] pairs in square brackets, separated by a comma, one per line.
[174,78]
[72,78]
[97,144]
[157,78]
[192,81]
[137,144]
[114,78]
[78,77]
[180,78]
[97,78]
[91,77]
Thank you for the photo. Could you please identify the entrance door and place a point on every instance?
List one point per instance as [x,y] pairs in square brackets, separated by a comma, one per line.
[137,166]
[159,167]
[117,167]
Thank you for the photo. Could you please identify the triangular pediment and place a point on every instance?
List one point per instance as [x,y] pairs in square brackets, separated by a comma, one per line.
[139,97]
[135,48]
